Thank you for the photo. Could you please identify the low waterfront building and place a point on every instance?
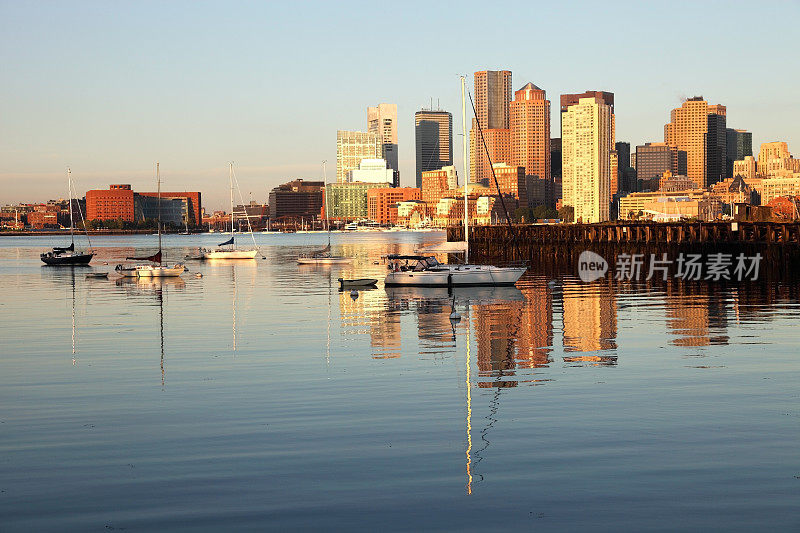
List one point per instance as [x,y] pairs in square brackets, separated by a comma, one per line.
[121,203]
[633,206]
[382,202]
[671,208]
[348,201]
[412,213]
[296,199]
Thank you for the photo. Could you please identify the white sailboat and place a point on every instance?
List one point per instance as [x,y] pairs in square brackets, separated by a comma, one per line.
[426,271]
[159,269]
[230,251]
[323,256]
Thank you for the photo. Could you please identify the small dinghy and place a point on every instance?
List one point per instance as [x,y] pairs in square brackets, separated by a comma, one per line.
[361,282]
[97,275]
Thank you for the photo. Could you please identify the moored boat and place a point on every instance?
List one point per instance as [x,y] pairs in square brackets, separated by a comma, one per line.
[426,271]
[66,255]
[158,269]
[231,252]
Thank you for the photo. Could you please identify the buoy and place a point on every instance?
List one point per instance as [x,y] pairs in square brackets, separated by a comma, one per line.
[198,275]
[354,294]
[454,316]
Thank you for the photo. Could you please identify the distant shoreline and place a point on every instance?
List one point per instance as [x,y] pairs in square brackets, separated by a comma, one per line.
[91,234]
[95,233]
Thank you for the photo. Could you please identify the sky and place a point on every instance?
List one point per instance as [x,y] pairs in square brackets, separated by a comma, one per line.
[109,88]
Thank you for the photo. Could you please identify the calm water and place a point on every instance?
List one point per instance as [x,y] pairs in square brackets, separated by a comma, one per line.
[259,397]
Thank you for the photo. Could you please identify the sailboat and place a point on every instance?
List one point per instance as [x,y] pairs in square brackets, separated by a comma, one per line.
[66,255]
[426,271]
[323,256]
[231,252]
[161,269]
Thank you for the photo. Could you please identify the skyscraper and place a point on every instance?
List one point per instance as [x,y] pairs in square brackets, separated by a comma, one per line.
[739,145]
[351,148]
[699,129]
[624,162]
[492,95]
[530,131]
[433,132]
[587,140]
[382,121]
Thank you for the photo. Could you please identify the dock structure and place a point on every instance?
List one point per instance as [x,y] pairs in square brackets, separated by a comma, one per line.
[552,244]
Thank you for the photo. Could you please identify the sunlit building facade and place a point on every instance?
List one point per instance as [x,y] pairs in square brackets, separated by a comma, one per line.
[587,142]
[351,148]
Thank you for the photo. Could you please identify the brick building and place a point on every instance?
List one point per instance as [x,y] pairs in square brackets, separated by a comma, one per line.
[381,201]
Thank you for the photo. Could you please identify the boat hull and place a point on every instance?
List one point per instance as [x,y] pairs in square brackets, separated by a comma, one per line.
[361,282]
[230,254]
[456,276]
[67,259]
[148,271]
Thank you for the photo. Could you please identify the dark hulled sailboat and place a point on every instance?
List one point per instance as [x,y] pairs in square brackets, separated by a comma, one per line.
[66,255]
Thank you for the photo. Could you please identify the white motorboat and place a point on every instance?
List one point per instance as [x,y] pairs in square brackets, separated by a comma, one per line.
[230,251]
[426,271]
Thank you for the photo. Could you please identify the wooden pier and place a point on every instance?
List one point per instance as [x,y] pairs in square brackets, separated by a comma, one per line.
[777,242]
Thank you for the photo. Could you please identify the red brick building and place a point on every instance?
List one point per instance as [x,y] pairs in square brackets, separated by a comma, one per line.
[43,219]
[381,201]
[434,187]
[119,203]
[114,204]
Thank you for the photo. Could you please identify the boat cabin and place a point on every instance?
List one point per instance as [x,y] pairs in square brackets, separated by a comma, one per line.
[413,263]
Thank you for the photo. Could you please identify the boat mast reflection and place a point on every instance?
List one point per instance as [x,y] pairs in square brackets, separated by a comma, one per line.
[74,359]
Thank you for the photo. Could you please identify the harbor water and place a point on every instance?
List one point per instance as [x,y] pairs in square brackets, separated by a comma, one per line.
[254,395]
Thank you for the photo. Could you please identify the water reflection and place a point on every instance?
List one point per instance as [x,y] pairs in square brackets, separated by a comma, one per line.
[514,327]
[158,289]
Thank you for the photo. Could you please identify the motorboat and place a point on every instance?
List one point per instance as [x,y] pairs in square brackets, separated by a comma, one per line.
[426,271]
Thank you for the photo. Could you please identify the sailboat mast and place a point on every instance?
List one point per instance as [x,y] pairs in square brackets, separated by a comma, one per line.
[69,195]
[325,199]
[466,168]
[158,181]
[230,179]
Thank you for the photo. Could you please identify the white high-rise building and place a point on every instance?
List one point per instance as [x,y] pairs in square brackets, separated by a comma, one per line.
[351,148]
[587,130]
[382,121]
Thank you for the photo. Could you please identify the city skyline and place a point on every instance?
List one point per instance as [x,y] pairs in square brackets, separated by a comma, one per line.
[194,86]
